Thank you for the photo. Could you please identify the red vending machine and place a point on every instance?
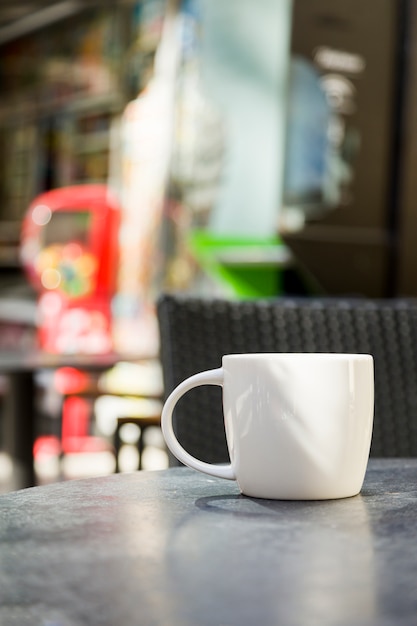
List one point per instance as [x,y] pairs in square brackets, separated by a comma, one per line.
[69,250]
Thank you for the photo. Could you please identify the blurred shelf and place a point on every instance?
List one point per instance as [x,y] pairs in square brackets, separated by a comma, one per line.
[18,310]
[250,255]
[9,244]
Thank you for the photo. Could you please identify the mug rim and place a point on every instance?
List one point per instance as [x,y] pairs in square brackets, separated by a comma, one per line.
[304,355]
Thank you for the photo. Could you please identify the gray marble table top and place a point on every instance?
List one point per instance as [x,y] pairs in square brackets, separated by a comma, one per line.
[179,548]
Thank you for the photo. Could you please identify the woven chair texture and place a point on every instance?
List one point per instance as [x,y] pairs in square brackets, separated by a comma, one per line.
[195,332]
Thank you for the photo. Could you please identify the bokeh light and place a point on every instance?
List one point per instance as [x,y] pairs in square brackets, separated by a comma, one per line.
[50,278]
[41,214]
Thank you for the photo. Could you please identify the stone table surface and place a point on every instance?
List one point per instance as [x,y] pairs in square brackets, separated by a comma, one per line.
[176,547]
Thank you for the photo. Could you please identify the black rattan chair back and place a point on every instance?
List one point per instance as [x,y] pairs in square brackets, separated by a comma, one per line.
[195,333]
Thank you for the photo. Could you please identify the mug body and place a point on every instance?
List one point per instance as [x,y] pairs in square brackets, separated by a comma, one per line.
[299,426]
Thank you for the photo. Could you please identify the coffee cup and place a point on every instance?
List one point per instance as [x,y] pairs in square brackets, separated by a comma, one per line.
[298,426]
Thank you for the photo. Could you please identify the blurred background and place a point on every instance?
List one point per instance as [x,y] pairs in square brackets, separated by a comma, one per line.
[243,149]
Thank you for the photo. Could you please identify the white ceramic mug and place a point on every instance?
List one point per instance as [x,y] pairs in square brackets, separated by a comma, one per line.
[298,426]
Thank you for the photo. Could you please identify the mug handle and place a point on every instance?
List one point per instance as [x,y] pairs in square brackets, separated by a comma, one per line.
[209,377]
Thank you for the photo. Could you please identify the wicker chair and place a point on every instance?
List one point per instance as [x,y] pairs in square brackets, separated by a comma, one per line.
[196,332]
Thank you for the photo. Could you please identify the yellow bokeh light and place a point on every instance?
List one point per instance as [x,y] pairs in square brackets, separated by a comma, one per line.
[48,258]
[50,278]
[86,265]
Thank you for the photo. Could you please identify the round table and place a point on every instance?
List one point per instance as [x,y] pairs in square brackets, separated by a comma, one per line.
[178,548]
